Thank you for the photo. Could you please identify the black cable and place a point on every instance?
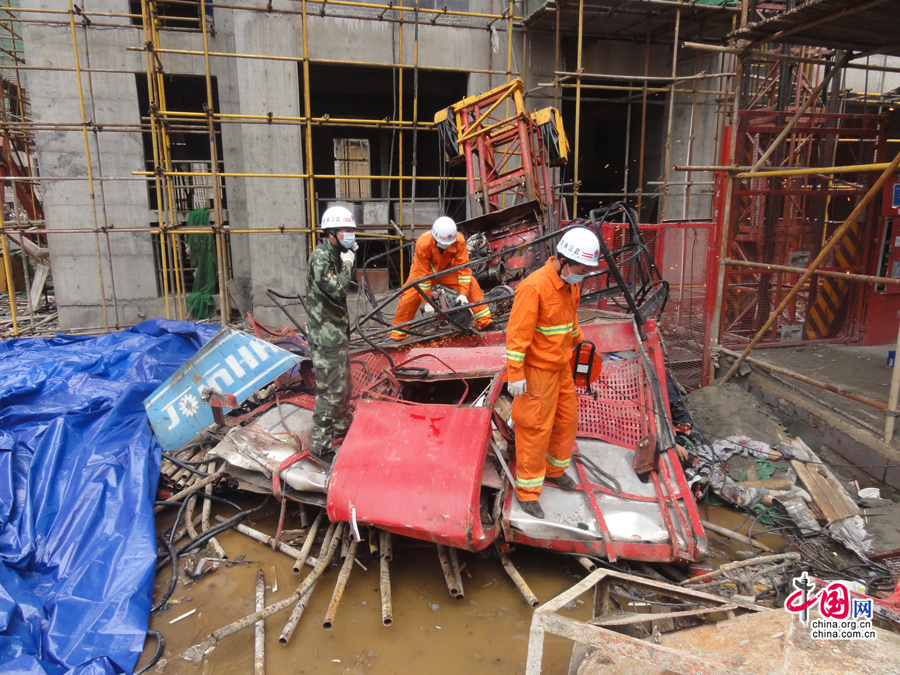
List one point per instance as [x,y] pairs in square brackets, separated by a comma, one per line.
[750,532]
[217,498]
[182,506]
[173,581]
[160,647]
[221,527]
[188,466]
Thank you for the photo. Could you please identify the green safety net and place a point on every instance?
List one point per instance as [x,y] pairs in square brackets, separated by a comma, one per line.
[203,259]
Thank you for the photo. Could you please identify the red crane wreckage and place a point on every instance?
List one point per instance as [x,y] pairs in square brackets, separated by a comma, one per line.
[430,454]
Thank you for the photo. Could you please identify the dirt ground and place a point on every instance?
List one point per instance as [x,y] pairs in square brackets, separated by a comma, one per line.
[725,410]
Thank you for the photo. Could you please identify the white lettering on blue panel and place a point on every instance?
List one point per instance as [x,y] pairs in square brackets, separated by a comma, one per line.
[233,363]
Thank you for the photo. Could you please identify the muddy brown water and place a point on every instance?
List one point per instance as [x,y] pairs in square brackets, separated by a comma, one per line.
[432,632]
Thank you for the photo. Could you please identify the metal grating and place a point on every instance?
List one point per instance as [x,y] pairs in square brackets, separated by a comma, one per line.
[890,560]
[619,414]
[365,369]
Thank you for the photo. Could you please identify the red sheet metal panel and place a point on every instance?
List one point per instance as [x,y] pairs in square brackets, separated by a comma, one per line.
[446,362]
[415,471]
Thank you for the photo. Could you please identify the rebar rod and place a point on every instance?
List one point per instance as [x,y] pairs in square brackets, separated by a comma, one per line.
[183,530]
[454,565]
[447,569]
[292,622]
[304,586]
[339,587]
[259,643]
[308,543]
[207,505]
[174,499]
[387,612]
[263,538]
[189,516]
[859,398]
[586,563]
[386,544]
[520,583]
[737,536]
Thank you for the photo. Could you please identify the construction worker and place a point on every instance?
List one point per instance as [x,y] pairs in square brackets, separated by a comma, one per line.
[438,250]
[542,329]
[328,277]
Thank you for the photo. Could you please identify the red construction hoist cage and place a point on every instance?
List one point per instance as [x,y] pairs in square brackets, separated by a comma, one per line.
[507,150]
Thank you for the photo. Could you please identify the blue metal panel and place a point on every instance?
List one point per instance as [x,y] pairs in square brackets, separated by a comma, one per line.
[232,363]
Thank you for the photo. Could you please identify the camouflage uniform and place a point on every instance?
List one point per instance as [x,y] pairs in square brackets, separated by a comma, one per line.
[328,278]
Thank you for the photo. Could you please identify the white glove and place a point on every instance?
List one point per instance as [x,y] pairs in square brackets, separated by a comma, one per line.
[348,256]
[462,300]
[428,309]
[355,247]
[516,388]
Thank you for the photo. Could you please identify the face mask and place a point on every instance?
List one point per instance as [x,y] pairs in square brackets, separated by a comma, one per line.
[573,278]
[347,239]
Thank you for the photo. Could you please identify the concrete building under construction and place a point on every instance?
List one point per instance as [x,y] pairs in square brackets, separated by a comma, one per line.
[745,133]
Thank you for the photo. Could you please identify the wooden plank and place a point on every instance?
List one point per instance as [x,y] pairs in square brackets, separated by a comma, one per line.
[827,493]
[41,272]
[32,250]
[776,484]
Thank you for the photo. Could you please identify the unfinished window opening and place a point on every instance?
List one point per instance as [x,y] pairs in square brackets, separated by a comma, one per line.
[610,148]
[372,93]
[189,147]
[177,14]
[190,154]
[378,88]
[351,159]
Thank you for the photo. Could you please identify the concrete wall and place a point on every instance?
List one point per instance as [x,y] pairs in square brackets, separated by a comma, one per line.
[246,86]
[124,260]
[696,140]
[695,120]
[860,81]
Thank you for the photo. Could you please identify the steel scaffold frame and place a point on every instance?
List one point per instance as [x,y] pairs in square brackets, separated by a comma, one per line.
[162,120]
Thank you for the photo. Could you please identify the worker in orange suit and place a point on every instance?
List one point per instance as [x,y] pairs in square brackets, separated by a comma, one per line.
[438,250]
[542,330]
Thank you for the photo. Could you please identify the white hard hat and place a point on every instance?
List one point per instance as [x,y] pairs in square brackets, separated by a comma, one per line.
[580,245]
[444,231]
[336,217]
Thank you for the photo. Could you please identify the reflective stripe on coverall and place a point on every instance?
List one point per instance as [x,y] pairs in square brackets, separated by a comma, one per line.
[429,259]
[542,328]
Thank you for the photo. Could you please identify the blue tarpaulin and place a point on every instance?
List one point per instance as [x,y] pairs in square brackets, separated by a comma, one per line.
[78,471]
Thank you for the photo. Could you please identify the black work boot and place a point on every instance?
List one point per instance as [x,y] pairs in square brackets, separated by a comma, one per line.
[532,508]
[492,326]
[562,481]
[326,460]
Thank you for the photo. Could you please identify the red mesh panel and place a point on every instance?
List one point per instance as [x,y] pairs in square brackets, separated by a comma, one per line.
[365,369]
[621,411]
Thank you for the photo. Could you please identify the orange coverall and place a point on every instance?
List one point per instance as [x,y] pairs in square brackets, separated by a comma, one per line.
[429,259]
[542,329]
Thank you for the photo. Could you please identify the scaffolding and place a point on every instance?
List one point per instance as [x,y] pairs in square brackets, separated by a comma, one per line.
[169,178]
[709,119]
[175,182]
